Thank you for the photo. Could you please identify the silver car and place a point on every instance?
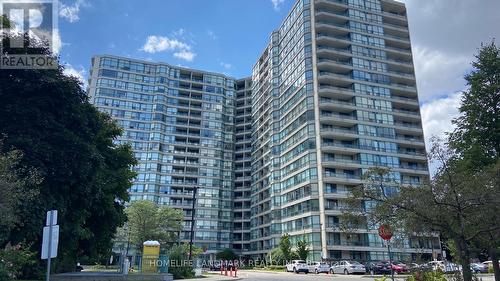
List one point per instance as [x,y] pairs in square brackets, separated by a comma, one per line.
[347,267]
[320,267]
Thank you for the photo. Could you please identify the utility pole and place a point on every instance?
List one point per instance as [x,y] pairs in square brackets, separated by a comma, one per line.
[192,224]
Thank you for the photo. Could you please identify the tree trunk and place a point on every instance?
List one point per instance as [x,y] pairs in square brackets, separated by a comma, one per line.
[494,259]
[463,252]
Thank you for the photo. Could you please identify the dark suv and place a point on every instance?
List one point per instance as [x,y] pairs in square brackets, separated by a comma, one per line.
[379,267]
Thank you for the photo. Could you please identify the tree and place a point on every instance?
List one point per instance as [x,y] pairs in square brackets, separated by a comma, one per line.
[451,204]
[286,247]
[12,185]
[275,256]
[46,115]
[226,255]
[178,256]
[14,258]
[302,249]
[149,221]
[477,134]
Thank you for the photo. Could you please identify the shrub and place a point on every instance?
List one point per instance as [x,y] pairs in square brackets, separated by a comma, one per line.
[13,259]
[427,276]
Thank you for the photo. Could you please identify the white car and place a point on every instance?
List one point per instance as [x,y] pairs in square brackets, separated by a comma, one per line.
[489,264]
[320,267]
[297,266]
[435,265]
[347,267]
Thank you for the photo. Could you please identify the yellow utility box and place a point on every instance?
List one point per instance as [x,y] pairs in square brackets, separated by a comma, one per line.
[150,257]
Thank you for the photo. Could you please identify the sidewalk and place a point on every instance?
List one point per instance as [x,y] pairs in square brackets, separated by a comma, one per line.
[215,277]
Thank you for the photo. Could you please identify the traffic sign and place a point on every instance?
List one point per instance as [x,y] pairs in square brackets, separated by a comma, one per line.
[54,218]
[53,244]
[385,232]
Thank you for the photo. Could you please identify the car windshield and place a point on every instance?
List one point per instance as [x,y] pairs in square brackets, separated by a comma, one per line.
[301,262]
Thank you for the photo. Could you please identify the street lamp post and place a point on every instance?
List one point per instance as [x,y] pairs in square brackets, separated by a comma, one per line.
[192,224]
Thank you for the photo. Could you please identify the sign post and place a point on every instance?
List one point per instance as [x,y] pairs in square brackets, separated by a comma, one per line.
[50,240]
[385,232]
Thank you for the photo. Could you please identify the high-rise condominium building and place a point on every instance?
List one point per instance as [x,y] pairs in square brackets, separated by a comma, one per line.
[332,95]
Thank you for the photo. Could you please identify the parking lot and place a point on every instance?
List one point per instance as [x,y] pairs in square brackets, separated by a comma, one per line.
[280,276]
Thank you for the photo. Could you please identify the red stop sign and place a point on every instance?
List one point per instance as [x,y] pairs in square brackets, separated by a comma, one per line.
[385,232]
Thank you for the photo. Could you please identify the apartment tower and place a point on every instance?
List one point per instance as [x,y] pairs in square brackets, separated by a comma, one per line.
[332,94]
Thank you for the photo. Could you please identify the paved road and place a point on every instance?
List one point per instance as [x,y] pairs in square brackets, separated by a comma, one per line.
[283,276]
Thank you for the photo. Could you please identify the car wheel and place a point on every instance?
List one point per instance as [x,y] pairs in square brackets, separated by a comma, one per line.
[331,271]
[346,272]
[295,270]
[316,271]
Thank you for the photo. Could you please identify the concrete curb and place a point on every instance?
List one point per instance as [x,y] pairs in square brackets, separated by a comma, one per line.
[215,279]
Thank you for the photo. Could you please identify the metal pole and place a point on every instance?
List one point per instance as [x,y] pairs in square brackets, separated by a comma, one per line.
[390,259]
[49,254]
[321,240]
[126,251]
[192,225]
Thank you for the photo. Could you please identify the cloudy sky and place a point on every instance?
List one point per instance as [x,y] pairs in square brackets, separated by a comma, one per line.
[445,36]
[228,35]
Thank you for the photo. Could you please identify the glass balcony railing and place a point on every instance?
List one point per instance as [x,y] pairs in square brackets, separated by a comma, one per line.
[387,136]
[348,51]
[323,60]
[350,76]
[392,14]
[371,148]
[348,27]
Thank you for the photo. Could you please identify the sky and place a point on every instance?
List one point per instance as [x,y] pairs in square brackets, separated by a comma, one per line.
[228,35]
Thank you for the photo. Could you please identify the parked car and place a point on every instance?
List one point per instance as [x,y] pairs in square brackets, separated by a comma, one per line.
[450,267]
[320,267]
[435,265]
[412,267]
[399,267]
[297,266]
[378,268]
[479,268]
[489,264]
[347,267]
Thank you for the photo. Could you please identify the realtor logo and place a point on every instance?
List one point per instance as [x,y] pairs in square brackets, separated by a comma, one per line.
[27,34]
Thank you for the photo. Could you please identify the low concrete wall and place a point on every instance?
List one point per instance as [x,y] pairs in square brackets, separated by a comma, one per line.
[103,276]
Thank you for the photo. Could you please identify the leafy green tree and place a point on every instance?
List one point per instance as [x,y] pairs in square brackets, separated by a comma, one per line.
[286,247]
[149,221]
[275,257]
[14,258]
[180,264]
[226,255]
[477,134]
[302,249]
[14,181]
[452,204]
[46,115]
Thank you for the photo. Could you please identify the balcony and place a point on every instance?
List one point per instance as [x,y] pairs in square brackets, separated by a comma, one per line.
[348,28]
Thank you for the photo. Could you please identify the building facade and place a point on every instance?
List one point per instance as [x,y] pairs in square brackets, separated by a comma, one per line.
[332,94]
[180,124]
